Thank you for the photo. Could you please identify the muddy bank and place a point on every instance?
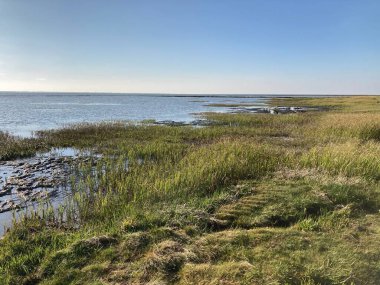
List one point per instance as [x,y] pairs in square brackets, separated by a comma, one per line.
[243,110]
[45,177]
[274,110]
[182,123]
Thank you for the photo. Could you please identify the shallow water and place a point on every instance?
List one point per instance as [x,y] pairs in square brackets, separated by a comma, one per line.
[37,180]
[23,113]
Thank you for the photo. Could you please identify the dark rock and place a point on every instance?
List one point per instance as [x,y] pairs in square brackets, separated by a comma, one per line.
[8,205]
[169,123]
[5,191]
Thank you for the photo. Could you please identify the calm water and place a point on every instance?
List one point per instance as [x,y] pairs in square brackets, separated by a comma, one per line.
[23,113]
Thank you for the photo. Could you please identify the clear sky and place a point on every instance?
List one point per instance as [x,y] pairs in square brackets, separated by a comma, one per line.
[191,46]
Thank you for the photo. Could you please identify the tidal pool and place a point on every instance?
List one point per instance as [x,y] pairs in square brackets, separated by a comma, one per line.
[29,182]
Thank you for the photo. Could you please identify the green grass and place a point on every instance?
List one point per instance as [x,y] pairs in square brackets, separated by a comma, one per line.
[250,199]
[360,104]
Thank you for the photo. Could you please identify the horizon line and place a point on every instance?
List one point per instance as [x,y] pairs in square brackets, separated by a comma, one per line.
[191,94]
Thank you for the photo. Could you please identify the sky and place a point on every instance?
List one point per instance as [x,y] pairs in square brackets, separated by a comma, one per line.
[191,46]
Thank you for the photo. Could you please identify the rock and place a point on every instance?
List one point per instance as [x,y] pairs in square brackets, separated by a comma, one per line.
[35,185]
[12,180]
[24,195]
[169,123]
[5,191]
[201,123]
[273,111]
[22,189]
[24,176]
[29,183]
[38,195]
[8,205]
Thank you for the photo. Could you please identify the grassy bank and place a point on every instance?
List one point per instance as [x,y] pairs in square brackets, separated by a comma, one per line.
[251,199]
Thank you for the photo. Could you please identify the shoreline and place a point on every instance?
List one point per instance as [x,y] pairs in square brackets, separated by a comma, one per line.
[254,198]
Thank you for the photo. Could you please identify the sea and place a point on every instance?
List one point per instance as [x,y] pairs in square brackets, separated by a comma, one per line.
[23,113]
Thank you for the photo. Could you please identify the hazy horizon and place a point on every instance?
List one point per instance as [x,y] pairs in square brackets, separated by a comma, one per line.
[196,47]
[2,92]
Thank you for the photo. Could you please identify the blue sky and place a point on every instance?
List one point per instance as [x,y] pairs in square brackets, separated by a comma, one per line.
[191,46]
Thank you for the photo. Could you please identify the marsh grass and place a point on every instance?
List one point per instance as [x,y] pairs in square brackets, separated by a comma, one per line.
[250,199]
[12,147]
[362,104]
[352,158]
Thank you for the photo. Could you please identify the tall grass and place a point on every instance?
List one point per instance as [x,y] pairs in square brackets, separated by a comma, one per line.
[340,127]
[180,176]
[364,104]
[351,159]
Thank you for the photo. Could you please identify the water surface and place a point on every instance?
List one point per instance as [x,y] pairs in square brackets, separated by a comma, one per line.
[23,113]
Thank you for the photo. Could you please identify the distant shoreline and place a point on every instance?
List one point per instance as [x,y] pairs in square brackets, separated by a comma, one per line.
[210,95]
